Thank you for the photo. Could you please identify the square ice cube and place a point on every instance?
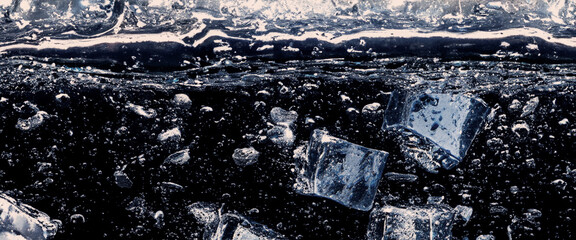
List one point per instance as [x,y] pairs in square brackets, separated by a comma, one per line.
[412,223]
[438,128]
[339,170]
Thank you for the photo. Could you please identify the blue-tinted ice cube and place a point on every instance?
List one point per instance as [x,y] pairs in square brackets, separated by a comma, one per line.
[339,170]
[228,226]
[22,220]
[438,128]
[413,223]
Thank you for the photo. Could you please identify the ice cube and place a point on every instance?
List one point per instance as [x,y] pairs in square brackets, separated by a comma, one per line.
[179,158]
[18,219]
[282,133]
[339,170]
[182,100]
[228,226]
[245,156]
[412,223]
[32,122]
[170,134]
[140,110]
[283,117]
[122,180]
[437,128]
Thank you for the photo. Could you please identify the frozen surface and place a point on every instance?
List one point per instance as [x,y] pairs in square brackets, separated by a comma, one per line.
[339,170]
[19,220]
[412,223]
[447,121]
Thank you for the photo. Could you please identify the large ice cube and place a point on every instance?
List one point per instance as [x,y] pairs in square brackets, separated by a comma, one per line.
[438,128]
[339,170]
[21,219]
[414,223]
[228,226]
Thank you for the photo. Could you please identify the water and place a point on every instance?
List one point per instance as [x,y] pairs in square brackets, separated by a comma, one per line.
[126,112]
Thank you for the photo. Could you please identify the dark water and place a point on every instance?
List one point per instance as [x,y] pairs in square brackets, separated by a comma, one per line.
[506,175]
[105,72]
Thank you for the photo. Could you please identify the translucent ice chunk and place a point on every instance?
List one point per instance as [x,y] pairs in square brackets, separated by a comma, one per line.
[281,116]
[282,134]
[18,219]
[414,223]
[438,128]
[32,122]
[227,226]
[122,180]
[339,170]
[245,156]
[178,158]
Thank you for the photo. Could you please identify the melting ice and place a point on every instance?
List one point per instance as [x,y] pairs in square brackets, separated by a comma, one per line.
[219,226]
[415,223]
[339,170]
[18,220]
[438,128]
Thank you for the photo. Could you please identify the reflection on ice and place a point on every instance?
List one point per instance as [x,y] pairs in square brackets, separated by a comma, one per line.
[21,221]
[438,128]
[339,170]
[219,226]
[415,223]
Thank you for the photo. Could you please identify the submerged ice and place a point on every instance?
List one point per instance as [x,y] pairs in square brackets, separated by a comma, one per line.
[415,222]
[18,220]
[339,170]
[227,226]
[437,128]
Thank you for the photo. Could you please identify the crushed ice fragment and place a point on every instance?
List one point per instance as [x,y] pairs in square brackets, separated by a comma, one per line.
[245,156]
[281,116]
[463,212]
[411,223]
[400,177]
[219,226]
[339,170]
[122,180]
[147,113]
[530,107]
[182,100]
[25,221]
[371,110]
[281,135]
[204,213]
[170,134]
[178,158]
[437,128]
[486,237]
[563,122]
[32,122]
